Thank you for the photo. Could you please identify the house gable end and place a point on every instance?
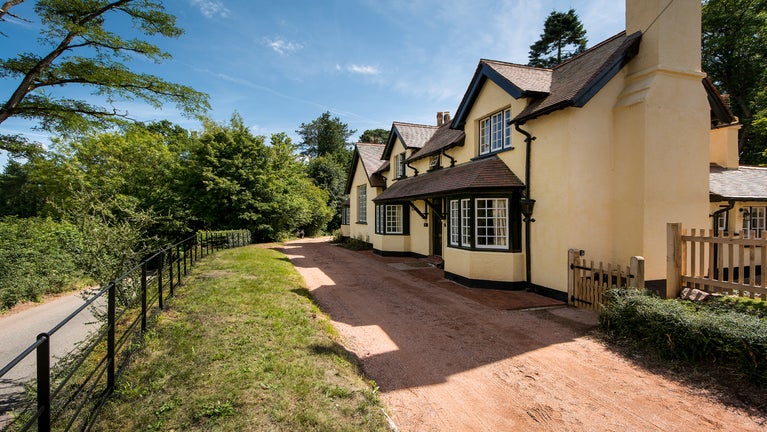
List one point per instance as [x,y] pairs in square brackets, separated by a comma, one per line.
[483,73]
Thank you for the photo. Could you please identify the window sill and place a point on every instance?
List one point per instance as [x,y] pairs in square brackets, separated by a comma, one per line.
[361,223]
[486,155]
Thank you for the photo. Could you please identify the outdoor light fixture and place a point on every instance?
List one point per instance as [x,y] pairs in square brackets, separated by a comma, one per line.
[527,205]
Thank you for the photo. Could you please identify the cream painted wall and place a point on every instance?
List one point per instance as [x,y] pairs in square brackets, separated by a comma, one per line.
[345,230]
[358,230]
[420,242]
[723,146]
[480,265]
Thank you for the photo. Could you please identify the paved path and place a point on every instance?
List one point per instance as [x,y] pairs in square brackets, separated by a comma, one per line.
[20,329]
[446,362]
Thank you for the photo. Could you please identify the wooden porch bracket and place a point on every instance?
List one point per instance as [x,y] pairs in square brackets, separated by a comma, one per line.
[423,214]
[436,211]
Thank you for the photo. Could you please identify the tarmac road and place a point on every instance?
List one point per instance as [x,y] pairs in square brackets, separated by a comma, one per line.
[19,330]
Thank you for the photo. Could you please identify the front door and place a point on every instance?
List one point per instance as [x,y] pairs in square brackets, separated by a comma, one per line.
[435,223]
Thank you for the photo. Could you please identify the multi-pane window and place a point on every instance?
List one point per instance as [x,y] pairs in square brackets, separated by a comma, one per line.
[391,219]
[345,215]
[400,162]
[455,222]
[465,222]
[492,223]
[362,204]
[754,221]
[720,222]
[495,132]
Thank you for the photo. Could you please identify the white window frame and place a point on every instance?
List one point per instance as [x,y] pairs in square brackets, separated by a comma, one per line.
[362,204]
[400,162]
[495,132]
[755,222]
[721,222]
[394,219]
[455,222]
[466,222]
[491,223]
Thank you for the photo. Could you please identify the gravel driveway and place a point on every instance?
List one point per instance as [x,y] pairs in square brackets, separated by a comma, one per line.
[448,358]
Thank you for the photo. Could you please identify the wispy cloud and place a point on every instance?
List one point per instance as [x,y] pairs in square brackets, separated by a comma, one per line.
[212,8]
[363,69]
[281,46]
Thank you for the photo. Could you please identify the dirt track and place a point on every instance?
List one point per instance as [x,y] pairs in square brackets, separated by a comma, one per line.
[451,359]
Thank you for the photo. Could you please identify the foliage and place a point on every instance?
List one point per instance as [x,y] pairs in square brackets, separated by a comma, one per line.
[329,174]
[19,196]
[734,340]
[378,136]
[324,136]
[80,49]
[234,180]
[244,348]
[734,37]
[37,257]
[563,36]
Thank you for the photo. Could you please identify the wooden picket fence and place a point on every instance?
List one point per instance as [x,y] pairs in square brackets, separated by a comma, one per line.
[728,264]
[589,282]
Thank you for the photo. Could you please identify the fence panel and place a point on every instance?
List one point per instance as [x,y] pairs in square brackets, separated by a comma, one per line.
[588,283]
[730,264]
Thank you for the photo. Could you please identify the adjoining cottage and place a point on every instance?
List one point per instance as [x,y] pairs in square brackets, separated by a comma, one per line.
[596,154]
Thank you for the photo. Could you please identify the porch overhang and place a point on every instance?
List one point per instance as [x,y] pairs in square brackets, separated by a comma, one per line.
[483,175]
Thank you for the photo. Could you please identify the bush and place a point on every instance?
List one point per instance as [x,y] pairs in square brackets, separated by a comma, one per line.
[729,339]
[37,257]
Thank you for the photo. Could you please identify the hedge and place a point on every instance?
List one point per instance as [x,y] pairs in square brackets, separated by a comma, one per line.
[716,336]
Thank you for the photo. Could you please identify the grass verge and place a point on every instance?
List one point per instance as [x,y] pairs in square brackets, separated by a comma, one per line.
[242,347]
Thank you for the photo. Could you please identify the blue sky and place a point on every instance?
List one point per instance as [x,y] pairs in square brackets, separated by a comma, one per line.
[281,63]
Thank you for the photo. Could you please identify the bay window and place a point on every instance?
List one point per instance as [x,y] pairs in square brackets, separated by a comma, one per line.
[392,219]
[486,223]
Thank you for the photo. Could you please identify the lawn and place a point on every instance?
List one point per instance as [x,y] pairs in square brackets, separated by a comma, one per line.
[242,347]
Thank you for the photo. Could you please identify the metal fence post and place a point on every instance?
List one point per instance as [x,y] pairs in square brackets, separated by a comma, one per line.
[44,382]
[186,252]
[159,279]
[178,264]
[111,337]
[170,271]
[143,297]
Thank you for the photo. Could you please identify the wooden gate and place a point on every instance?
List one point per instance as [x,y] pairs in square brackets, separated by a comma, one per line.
[588,282]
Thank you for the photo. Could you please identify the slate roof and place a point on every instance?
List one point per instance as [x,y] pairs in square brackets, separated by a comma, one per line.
[742,184]
[370,156]
[579,78]
[443,138]
[482,174]
[413,136]
[571,83]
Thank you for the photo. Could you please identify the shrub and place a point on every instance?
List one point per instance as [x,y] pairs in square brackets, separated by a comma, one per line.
[37,257]
[730,339]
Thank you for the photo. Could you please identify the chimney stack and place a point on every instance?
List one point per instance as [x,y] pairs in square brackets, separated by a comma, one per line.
[446,117]
[439,118]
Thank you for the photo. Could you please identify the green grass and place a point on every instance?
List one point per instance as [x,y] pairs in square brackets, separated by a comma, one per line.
[242,347]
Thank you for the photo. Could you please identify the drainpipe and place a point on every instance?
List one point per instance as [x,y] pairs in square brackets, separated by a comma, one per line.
[528,220]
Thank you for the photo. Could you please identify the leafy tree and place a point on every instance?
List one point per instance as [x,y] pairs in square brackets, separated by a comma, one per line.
[83,51]
[324,135]
[563,36]
[734,56]
[18,195]
[374,136]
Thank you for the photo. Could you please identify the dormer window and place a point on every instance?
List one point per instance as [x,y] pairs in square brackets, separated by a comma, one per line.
[400,163]
[495,132]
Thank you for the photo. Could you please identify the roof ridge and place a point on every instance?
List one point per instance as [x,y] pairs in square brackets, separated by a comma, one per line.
[414,124]
[370,143]
[515,64]
[594,48]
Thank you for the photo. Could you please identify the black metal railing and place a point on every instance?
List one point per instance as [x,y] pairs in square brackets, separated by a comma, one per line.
[68,394]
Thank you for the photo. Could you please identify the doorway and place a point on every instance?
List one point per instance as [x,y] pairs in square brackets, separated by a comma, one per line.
[435,224]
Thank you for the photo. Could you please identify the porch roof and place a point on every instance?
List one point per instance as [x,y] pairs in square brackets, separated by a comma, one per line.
[484,174]
[742,184]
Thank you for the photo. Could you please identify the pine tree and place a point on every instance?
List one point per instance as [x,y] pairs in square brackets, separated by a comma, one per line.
[563,36]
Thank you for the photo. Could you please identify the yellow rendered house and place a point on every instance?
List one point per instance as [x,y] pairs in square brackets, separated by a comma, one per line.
[596,154]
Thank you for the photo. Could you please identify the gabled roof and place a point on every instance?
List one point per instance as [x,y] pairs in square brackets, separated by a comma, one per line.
[443,138]
[571,83]
[413,136]
[484,174]
[721,115]
[370,156]
[742,184]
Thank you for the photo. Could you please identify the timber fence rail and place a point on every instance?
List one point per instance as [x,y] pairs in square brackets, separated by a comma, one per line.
[68,395]
[731,264]
[588,282]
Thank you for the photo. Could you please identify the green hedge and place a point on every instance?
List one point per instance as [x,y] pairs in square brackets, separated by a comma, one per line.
[37,257]
[714,336]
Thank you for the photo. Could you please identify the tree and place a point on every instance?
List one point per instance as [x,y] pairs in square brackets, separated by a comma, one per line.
[85,52]
[735,58]
[374,136]
[323,136]
[563,36]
